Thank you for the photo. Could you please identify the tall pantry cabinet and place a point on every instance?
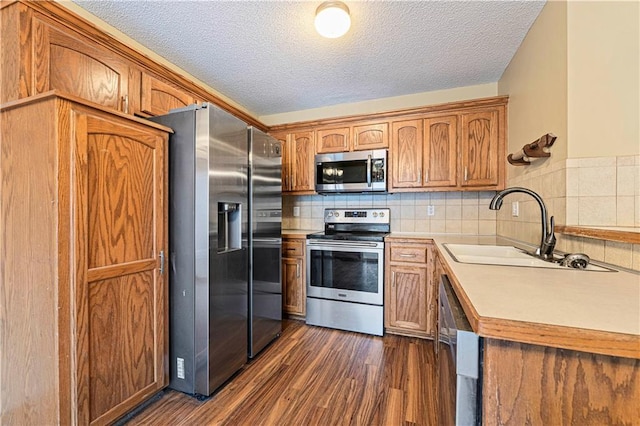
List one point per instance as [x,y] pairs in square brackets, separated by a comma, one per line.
[83,303]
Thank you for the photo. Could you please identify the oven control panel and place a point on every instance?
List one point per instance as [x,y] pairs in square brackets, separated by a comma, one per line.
[357,216]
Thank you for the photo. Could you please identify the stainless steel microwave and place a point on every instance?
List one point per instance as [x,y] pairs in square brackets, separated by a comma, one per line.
[359,171]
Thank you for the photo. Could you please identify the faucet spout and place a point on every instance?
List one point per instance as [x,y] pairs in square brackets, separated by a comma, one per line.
[548,239]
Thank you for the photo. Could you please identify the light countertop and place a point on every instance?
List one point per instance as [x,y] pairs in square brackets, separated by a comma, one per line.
[298,233]
[584,310]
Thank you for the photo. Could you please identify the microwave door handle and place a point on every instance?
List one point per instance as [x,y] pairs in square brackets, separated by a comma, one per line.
[369,171]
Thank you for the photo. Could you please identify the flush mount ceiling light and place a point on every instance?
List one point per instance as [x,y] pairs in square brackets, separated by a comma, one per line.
[332,19]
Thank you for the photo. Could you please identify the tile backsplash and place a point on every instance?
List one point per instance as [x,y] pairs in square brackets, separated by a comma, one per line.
[454,212]
[589,192]
[602,191]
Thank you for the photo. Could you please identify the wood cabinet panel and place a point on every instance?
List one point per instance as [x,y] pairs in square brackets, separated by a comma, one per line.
[479,148]
[121,343]
[332,140]
[406,154]
[294,291]
[530,384]
[440,151]
[78,67]
[302,153]
[407,298]
[409,253]
[92,228]
[121,188]
[410,292]
[292,248]
[158,97]
[370,136]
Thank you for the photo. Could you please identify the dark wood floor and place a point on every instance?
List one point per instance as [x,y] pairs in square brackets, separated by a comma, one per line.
[317,376]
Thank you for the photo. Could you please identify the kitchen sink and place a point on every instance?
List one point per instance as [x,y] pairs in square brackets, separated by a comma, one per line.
[506,256]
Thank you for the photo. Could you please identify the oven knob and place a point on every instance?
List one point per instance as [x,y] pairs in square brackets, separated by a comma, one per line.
[375,214]
[330,214]
[381,214]
[336,214]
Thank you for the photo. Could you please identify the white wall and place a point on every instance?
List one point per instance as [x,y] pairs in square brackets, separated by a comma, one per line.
[384,104]
[603,78]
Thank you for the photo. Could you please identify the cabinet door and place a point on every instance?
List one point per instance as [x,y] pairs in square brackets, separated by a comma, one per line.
[440,151]
[294,291]
[407,298]
[479,146]
[406,154]
[302,150]
[286,160]
[78,67]
[120,185]
[371,136]
[332,140]
[158,97]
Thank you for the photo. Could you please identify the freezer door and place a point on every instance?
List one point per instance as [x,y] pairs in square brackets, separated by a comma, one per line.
[265,294]
[227,153]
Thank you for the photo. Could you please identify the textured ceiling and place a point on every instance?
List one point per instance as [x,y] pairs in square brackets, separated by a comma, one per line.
[266,55]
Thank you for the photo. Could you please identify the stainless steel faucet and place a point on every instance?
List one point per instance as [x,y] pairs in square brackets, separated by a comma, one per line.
[548,240]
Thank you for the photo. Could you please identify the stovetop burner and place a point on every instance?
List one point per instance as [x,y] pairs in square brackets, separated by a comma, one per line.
[352,236]
[355,225]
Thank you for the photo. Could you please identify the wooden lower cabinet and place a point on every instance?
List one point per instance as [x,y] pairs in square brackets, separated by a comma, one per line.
[294,290]
[409,288]
[539,385]
[84,300]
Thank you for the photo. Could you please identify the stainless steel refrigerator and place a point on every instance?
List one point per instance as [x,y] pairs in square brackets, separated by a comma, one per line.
[265,221]
[209,251]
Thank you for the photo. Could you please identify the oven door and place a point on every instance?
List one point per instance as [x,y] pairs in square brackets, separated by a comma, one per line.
[350,271]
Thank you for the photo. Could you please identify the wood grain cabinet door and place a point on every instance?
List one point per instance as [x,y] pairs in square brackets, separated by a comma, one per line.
[479,148]
[286,159]
[332,140]
[294,291]
[370,136]
[78,67]
[406,154]
[158,97]
[120,214]
[302,153]
[408,299]
[440,151]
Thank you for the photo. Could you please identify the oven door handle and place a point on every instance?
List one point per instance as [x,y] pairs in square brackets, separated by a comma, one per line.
[326,243]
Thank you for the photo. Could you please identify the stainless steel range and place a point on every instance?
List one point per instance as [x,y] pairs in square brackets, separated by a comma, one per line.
[345,270]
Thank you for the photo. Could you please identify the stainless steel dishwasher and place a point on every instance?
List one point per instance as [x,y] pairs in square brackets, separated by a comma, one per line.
[459,363]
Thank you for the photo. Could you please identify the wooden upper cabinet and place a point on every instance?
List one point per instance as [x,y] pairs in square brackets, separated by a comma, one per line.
[480,153]
[357,137]
[440,151]
[333,140]
[158,97]
[77,66]
[302,151]
[406,154]
[286,159]
[370,136]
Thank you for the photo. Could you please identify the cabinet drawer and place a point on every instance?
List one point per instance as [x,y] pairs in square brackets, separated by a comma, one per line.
[413,254]
[292,248]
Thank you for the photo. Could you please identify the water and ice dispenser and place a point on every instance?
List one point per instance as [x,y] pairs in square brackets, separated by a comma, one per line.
[229,227]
